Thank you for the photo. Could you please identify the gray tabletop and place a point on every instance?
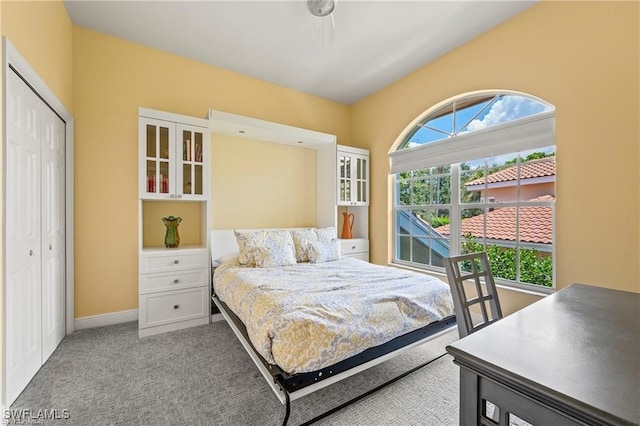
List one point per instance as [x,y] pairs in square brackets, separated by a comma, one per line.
[579,346]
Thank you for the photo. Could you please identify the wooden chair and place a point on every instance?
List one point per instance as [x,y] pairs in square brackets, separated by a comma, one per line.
[472,267]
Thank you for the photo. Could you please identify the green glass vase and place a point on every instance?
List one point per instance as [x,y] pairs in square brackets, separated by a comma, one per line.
[171,237]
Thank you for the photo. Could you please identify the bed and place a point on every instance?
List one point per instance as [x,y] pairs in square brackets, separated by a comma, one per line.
[313,319]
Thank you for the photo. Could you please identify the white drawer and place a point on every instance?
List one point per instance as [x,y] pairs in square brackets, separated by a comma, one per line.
[167,261]
[165,308]
[362,256]
[355,245]
[152,283]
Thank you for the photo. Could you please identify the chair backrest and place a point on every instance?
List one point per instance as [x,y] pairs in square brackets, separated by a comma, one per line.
[472,267]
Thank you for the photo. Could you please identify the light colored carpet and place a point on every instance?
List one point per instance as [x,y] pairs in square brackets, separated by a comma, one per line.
[203,376]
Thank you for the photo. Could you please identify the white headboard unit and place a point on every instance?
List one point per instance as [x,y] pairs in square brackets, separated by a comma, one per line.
[326,167]
[222,242]
[251,128]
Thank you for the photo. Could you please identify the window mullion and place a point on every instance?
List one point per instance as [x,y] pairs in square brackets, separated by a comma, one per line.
[517,248]
[517,235]
[454,212]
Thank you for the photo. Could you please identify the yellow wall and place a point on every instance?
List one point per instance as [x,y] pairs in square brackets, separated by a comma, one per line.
[112,78]
[583,58]
[261,185]
[42,33]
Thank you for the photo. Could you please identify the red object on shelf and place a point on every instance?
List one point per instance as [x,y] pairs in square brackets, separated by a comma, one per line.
[151,183]
[164,184]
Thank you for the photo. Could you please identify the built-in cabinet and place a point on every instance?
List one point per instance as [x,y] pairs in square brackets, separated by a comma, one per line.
[173,283]
[352,197]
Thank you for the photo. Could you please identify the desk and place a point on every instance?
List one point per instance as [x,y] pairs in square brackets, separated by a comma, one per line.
[571,358]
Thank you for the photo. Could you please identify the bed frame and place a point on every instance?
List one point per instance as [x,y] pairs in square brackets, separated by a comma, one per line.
[289,387]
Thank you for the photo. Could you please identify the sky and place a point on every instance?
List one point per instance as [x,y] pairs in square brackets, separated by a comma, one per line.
[499,110]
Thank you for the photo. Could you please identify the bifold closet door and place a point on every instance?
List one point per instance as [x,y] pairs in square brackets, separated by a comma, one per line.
[52,231]
[34,221]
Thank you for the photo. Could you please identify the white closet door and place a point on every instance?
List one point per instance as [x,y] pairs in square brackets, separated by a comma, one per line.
[53,232]
[22,236]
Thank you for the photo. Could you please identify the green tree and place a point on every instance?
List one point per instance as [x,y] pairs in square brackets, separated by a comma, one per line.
[534,268]
[425,187]
[533,156]
[467,196]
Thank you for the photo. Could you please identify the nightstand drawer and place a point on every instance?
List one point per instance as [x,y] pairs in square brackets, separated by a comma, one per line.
[152,283]
[173,260]
[362,256]
[355,245]
[164,308]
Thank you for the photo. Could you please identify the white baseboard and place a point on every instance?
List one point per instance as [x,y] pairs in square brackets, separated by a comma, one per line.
[106,319]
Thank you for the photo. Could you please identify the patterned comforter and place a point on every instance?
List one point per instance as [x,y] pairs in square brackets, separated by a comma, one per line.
[308,316]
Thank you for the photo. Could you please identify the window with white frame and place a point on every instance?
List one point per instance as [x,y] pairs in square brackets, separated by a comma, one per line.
[478,173]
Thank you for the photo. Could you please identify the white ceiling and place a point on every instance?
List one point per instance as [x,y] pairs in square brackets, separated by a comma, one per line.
[374,42]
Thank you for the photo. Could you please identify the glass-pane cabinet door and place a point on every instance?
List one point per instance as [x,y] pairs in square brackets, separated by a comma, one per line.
[192,147]
[353,178]
[344,178]
[361,179]
[158,151]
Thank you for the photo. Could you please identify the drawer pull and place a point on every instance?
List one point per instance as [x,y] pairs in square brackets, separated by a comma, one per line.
[353,247]
[176,261]
[176,306]
[176,281]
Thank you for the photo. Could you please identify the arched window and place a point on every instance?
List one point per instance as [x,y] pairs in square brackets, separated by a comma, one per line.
[478,173]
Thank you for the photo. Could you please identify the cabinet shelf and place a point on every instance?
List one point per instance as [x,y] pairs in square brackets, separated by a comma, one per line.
[192,229]
[176,249]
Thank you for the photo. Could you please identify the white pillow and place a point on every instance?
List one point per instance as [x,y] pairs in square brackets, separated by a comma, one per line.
[266,248]
[247,241]
[326,233]
[325,250]
[302,241]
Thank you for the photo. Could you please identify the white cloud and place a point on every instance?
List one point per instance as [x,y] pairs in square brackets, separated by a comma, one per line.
[506,109]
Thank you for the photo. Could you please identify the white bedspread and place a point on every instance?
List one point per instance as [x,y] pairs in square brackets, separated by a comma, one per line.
[309,316]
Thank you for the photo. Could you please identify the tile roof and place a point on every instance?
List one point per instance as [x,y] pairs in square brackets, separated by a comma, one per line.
[536,224]
[532,169]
